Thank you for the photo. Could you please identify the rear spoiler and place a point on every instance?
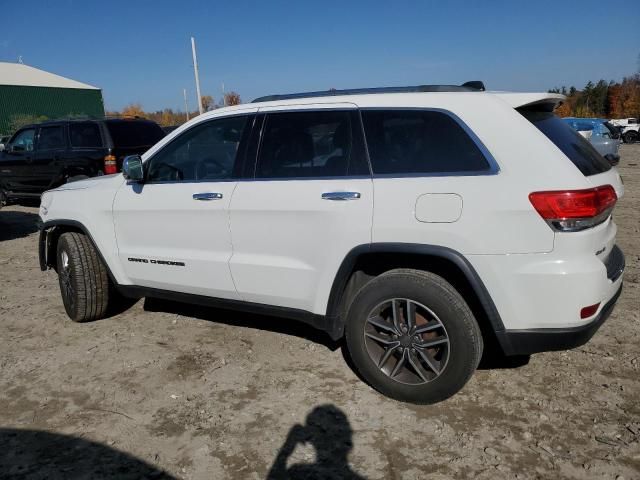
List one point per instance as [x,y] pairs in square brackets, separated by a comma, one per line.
[532,101]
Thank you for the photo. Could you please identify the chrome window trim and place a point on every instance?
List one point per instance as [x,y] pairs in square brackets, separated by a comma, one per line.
[494,168]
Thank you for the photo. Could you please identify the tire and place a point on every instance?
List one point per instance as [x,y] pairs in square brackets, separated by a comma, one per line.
[84,282]
[630,137]
[440,314]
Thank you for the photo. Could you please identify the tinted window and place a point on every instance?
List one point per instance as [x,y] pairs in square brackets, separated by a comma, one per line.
[310,144]
[23,141]
[51,138]
[419,141]
[204,152]
[570,142]
[134,133]
[85,135]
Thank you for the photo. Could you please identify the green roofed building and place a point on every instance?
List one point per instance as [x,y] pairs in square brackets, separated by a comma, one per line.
[30,95]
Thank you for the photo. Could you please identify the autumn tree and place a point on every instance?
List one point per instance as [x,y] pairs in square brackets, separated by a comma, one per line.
[565,109]
[232,98]
[630,96]
[207,103]
[614,102]
[133,110]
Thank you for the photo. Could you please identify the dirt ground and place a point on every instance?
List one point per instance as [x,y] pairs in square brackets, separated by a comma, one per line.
[165,390]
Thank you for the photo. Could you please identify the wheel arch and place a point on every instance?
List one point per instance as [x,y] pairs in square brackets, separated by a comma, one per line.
[50,232]
[367,261]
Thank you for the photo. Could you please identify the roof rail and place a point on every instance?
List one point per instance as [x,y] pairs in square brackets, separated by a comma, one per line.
[472,86]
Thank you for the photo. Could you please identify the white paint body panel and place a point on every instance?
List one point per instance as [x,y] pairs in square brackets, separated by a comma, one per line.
[438,207]
[288,242]
[163,222]
[90,202]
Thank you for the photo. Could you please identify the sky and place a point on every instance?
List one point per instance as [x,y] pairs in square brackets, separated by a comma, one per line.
[139,50]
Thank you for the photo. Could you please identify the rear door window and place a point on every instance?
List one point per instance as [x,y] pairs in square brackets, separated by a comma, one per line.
[132,133]
[420,142]
[571,143]
[323,143]
[85,135]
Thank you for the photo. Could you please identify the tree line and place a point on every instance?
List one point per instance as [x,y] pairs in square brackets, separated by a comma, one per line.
[602,99]
[169,117]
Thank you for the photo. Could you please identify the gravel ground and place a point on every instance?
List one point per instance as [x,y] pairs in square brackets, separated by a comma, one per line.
[166,390]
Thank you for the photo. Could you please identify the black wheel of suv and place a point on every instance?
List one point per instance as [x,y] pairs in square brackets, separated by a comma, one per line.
[412,336]
[83,278]
[630,137]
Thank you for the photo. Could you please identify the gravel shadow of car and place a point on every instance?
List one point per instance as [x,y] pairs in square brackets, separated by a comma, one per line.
[17,224]
[40,454]
[492,358]
[242,319]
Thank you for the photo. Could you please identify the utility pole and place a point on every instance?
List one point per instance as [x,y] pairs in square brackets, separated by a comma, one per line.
[186,105]
[195,71]
[224,100]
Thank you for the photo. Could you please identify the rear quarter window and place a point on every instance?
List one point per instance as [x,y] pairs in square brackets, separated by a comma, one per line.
[571,143]
[420,142]
[132,133]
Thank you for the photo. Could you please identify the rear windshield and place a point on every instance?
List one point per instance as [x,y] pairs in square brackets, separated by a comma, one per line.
[128,134]
[572,144]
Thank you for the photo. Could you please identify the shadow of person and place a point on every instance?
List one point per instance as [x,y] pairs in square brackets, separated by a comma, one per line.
[327,429]
[40,454]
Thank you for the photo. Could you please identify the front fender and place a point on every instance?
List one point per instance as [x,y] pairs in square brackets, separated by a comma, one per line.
[51,230]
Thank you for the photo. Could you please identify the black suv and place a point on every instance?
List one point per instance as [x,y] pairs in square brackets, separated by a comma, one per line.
[46,155]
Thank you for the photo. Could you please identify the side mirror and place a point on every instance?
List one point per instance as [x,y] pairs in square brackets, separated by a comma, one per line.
[16,148]
[132,168]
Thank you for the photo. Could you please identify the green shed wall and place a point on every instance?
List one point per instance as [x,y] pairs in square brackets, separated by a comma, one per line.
[48,102]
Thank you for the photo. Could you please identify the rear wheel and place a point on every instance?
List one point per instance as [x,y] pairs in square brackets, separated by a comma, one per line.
[84,282]
[630,137]
[412,336]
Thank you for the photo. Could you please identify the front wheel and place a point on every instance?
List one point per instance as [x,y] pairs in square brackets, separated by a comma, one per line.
[84,282]
[412,336]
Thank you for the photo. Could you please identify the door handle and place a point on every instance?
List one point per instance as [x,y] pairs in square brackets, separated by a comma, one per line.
[207,196]
[341,196]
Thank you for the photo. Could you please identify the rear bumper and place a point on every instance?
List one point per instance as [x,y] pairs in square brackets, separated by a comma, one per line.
[525,342]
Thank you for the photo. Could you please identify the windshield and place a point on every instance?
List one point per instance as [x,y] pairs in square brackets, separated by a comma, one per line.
[570,142]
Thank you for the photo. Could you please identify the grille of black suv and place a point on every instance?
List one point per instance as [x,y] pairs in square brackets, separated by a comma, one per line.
[614,263]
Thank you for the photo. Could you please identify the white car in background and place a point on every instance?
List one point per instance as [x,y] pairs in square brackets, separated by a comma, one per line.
[402,219]
[630,129]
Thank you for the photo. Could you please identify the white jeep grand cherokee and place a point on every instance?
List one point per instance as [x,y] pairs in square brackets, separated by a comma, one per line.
[420,223]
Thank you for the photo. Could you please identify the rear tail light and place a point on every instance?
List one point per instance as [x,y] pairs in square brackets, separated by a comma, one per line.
[589,311]
[574,210]
[110,165]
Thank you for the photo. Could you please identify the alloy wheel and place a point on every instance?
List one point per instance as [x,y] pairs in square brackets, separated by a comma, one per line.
[407,341]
